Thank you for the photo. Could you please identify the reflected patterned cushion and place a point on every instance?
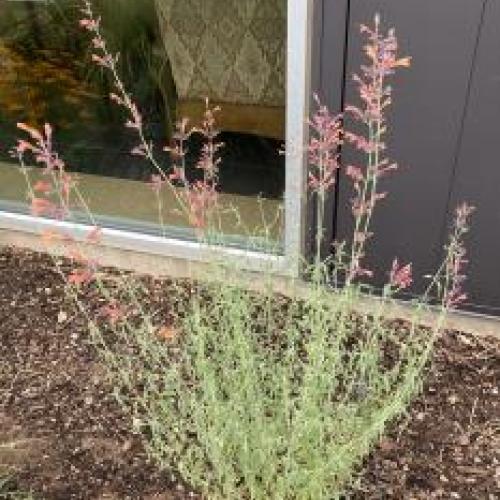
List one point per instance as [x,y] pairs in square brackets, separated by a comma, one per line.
[230,51]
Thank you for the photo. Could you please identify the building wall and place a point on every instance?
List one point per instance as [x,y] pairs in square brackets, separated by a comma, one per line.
[443,131]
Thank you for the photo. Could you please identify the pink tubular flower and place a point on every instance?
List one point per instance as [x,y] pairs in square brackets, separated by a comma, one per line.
[355,173]
[105,61]
[114,313]
[86,271]
[80,276]
[400,276]
[22,147]
[44,187]
[362,237]
[41,206]
[182,131]
[116,99]
[89,24]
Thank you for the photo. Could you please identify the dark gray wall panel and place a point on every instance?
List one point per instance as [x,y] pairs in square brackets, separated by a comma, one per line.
[334,36]
[328,61]
[430,99]
[336,17]
[477,176]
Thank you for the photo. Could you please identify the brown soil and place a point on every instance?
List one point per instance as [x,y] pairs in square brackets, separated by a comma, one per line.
[62,435]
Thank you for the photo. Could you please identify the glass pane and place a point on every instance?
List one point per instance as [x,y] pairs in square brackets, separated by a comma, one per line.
[173,55]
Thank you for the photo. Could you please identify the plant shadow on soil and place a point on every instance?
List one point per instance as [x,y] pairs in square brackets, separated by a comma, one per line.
[63,436]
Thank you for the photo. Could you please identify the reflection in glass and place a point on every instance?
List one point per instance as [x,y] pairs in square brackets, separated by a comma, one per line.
[173,54]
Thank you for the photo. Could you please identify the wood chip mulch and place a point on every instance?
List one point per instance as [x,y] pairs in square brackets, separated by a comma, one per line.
[62,435]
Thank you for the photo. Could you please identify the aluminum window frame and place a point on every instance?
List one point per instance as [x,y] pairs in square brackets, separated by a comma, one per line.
[299,55]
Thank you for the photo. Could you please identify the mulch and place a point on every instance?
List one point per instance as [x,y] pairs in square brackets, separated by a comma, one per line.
[63,436]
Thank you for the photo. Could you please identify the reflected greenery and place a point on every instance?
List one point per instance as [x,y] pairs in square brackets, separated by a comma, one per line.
[45,72]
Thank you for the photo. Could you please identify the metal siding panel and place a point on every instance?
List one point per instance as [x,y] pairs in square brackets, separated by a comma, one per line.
[335,18]
[424,125]
[478,171]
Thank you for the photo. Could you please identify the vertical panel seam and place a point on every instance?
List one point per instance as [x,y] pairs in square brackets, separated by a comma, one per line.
[343,93]
[463,120]
[311,204]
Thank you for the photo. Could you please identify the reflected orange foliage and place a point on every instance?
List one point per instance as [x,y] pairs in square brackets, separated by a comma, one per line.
[27,86]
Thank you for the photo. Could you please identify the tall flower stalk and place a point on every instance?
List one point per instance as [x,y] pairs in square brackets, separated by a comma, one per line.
[56,195]
[456,259]
[376,96]
[324,153]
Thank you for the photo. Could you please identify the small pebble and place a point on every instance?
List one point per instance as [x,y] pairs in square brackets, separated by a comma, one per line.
[61,317]
[464,440]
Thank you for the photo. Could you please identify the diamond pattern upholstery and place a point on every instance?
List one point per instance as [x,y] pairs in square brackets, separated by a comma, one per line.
[230,51]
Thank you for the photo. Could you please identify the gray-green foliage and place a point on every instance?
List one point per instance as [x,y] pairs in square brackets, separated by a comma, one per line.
[264,397]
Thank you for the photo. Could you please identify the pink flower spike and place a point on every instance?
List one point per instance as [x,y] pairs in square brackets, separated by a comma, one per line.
[80,276]
[41,206]
[90,24]
[457,261]
[456,300]
[23,146]
[104,61]
[462,213]
[400,276]
[86,23]
[44,187]
[114,313]
[355,173]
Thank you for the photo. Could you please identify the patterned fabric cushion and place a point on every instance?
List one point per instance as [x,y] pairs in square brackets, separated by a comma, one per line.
[227,50]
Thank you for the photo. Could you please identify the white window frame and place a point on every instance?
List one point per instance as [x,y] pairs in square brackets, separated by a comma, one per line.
[300,25]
